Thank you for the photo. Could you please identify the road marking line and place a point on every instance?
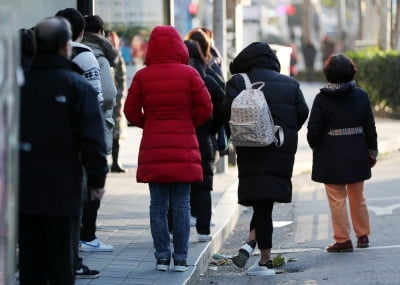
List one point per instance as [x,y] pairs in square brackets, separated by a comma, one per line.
[306,249]
[382,211]
[279,224]
[321,195]
[304,229]
[305,196]
[323,229]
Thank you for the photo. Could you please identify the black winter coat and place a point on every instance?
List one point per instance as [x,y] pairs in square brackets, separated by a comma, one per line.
[341,159]
[206,132]
[265,172]
[61,130]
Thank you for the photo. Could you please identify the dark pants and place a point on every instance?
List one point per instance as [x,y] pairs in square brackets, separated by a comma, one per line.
[262,222]
[89,217]
[78,260]
[200,204]
[46,250]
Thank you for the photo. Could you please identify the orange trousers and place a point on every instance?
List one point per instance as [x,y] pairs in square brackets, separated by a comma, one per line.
[337,195]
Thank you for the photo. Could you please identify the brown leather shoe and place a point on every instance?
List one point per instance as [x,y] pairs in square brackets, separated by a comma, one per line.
[363,242]
[346,246]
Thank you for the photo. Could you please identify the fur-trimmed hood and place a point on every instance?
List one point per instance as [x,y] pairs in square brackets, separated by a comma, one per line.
[101,47]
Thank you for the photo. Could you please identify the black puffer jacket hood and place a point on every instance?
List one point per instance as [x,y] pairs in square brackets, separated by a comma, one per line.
[257,54]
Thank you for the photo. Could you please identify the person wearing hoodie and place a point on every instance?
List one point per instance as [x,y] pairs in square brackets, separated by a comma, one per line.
[342,135]
[106,56]
[265,172]
[168,99]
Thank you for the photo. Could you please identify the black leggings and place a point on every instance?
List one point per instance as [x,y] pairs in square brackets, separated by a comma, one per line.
[261,221]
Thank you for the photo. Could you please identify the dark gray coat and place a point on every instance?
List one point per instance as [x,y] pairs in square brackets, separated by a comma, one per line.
[341,159]
[265,172]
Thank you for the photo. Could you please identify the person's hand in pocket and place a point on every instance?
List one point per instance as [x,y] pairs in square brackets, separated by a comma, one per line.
[97,194]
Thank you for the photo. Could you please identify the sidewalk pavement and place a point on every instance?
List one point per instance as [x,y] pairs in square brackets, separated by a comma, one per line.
[123,219]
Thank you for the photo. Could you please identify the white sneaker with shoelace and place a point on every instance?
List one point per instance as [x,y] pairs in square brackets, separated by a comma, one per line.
[258,269]
[95,245]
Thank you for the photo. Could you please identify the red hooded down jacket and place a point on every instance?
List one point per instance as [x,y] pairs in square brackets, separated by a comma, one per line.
[168,99]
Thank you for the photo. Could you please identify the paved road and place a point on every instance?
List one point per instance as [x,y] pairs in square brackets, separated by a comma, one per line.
[303,228]
[303,241]
[124,222]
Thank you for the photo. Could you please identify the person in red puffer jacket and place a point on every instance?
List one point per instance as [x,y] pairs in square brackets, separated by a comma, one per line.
[168,100]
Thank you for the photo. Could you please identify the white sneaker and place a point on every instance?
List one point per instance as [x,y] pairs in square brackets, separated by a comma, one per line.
[204,238]
[261,270]
[193,221]
[94,245]
[244,253]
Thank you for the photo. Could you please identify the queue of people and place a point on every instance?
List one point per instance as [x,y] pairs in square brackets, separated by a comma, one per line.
[74,89]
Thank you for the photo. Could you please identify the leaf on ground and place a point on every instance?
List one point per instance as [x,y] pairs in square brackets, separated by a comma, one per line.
[221,261]
[278,261]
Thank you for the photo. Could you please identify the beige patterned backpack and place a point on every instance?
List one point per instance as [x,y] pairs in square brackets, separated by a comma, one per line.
[251,122]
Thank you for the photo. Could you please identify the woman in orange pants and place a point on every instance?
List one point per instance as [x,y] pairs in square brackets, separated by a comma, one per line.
[342,135]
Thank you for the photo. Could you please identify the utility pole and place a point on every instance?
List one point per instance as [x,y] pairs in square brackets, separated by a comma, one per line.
[86,7]
[341,37]
[305,21]
[396,31]
[385,25]
[219,29]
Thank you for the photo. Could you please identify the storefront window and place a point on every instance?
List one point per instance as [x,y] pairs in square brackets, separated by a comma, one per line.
[133,21]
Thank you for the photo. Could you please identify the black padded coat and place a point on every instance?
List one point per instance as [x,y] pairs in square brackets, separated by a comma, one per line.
[341,159]
[265,172]
[206,131]
[61,132]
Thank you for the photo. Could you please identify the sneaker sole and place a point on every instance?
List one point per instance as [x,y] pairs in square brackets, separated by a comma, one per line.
[241,259]
[204,239]
[95,249]
[178,268]
[87,276]
[88,249]
[161,267]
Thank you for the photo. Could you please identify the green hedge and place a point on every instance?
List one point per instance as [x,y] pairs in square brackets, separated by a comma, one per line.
[378,72]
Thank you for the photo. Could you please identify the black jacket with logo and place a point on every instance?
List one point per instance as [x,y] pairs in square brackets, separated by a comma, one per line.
[61,132]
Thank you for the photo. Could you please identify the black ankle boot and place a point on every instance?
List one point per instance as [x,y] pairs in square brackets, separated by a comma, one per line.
[115,167]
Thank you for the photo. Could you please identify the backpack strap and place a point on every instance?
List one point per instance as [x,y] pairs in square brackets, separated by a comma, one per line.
[77,50]
[281,136]
[248,83]
[246,79]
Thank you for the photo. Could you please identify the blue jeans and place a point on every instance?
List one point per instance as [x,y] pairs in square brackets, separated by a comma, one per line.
[176,197]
